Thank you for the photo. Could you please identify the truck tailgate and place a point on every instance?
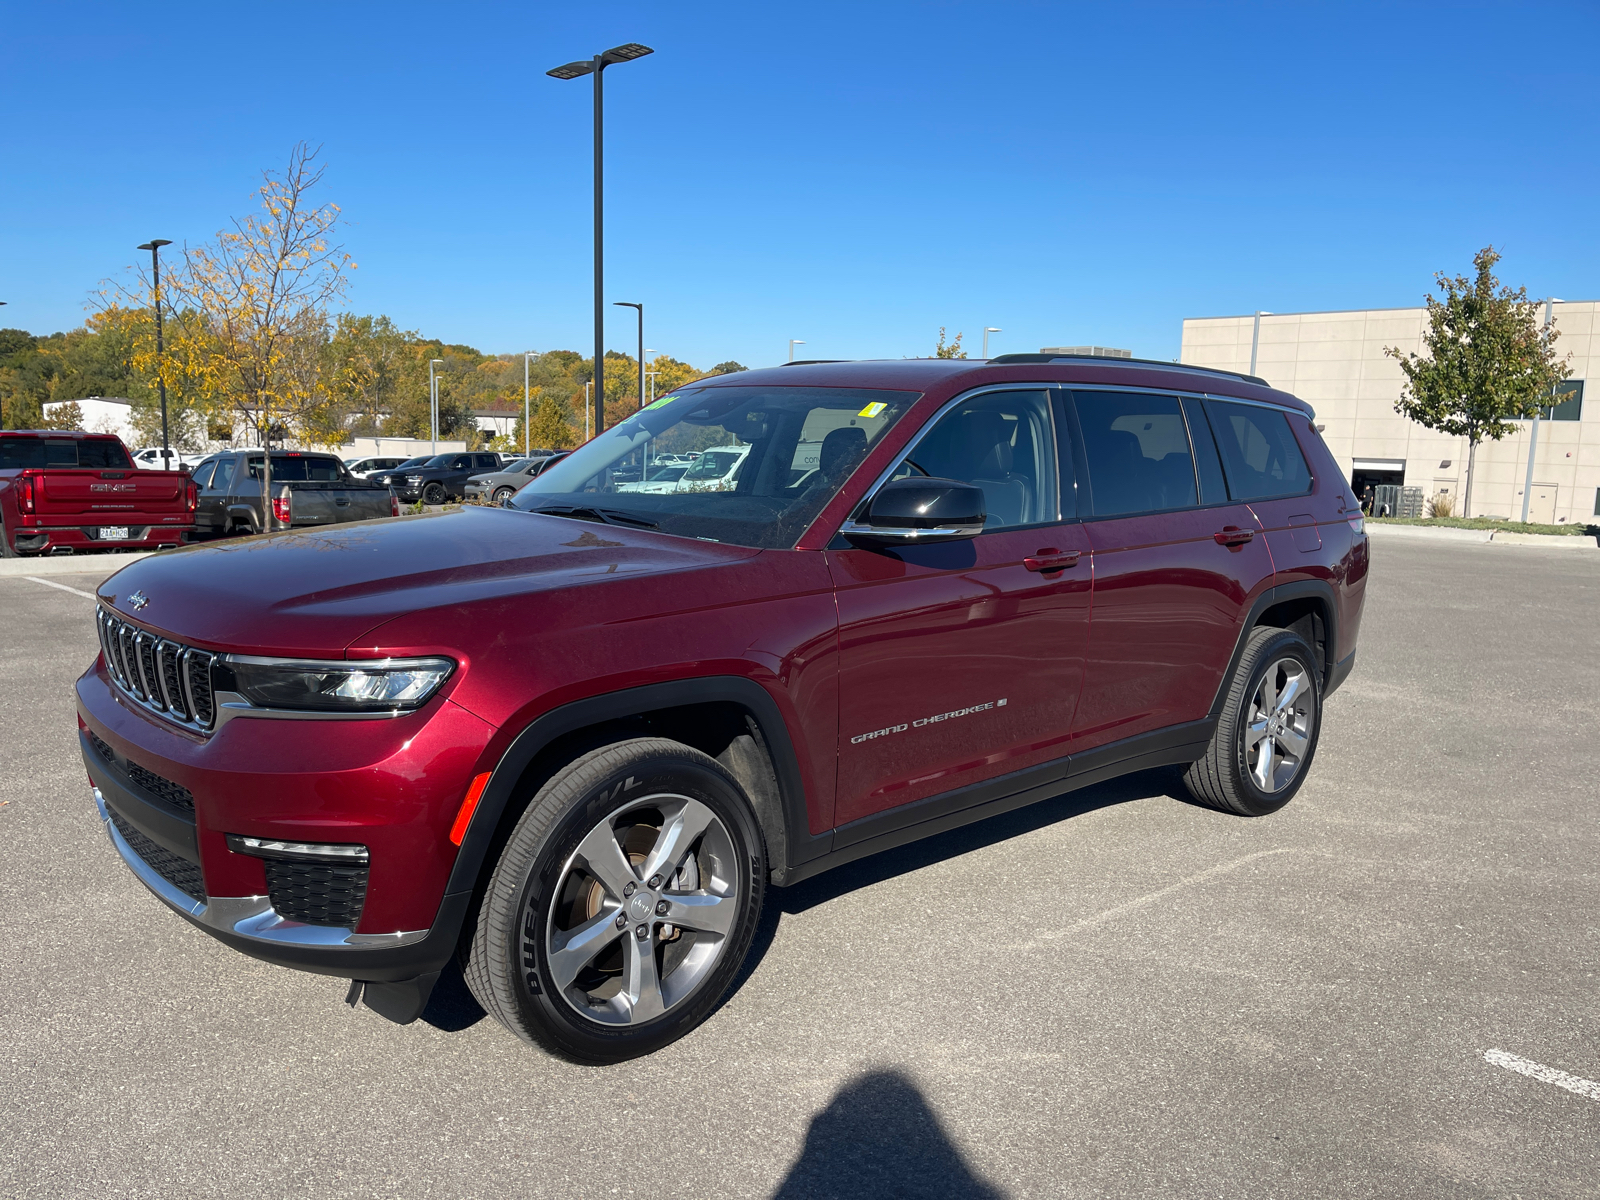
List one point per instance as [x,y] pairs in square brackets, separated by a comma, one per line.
[313,503]
[130,497]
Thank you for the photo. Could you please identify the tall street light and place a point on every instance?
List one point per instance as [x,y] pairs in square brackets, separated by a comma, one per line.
[640,307]
[1255,337]
[2,398]
[1533,431]
[154,246]
[793,342]
[987,331]
[433,401]
[573,70]
[527,415]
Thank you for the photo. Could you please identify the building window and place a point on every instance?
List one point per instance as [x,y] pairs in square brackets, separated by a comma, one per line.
[1569,406]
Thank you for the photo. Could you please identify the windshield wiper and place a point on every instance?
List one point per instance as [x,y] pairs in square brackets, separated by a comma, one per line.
[606,516]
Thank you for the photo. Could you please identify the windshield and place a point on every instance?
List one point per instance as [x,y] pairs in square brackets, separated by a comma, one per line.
[759,462]
[413,462]
[521,464]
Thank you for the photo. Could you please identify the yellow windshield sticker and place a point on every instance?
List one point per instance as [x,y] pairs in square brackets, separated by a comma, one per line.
[873,409]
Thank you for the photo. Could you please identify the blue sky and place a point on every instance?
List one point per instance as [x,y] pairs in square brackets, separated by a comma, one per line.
[855,175]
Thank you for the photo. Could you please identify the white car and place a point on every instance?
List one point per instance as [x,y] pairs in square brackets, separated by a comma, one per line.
[362,467]
[149,459]
[713,470]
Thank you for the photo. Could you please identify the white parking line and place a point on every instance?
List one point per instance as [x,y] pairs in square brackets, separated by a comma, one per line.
[63,587]
[1152,897]
[1533,1070]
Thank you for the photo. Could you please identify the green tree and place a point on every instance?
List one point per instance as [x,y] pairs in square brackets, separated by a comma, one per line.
[953,350]
[728,368]
[1488,361]
[551,427]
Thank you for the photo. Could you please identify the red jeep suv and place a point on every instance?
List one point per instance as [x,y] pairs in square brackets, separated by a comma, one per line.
[573,739]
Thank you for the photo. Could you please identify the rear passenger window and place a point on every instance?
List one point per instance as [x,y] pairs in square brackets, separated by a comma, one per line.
[1137,448]
[1259,452]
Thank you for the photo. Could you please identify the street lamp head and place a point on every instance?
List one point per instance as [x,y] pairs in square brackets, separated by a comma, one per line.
[573,70]
[993,329]
[155,242]
[628,304]
[624,53]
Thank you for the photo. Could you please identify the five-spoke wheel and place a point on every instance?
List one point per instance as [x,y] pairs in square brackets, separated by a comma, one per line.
[622,904]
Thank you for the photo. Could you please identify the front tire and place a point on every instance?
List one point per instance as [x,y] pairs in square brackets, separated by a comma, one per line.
[1267,733]
[623,903]
[501,495]
[434,493]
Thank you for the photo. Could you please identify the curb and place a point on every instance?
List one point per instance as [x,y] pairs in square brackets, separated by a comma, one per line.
[69,564]
[1483,537]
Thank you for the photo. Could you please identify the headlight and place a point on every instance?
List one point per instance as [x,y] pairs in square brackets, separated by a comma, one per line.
[379,685]
[413,479]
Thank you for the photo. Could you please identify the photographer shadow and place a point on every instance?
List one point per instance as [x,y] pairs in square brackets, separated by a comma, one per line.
[878,1138]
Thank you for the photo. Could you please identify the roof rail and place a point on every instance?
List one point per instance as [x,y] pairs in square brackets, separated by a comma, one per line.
[1101,360]
[811,362]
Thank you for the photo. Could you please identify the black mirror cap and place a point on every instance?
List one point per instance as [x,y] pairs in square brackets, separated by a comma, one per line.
[924,503]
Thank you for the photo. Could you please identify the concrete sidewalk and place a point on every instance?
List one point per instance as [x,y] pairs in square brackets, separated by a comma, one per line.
[70,564]
[1493,537]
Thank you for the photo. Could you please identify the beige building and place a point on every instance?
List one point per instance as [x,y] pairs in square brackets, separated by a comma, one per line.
[1335,362]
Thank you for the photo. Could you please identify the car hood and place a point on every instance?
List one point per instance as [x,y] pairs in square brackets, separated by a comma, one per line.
[314,592]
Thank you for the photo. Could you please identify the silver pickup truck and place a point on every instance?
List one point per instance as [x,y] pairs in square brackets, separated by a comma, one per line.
[308,489]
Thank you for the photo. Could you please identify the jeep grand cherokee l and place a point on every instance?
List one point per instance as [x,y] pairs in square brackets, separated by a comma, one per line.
[574,740]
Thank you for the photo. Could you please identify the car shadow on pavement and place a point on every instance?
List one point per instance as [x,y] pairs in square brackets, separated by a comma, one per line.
[879,1138]
[452,1007]
[1159,781]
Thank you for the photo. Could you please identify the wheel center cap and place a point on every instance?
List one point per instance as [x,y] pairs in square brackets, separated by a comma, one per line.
[641,906]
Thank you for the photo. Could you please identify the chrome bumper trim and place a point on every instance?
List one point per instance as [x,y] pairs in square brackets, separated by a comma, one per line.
[248,916]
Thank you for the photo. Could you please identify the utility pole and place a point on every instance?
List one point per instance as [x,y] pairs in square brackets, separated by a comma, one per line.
[574,70]
[154,246]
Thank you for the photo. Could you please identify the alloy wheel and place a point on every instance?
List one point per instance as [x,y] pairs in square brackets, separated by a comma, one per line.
[642,910]
[1279,724]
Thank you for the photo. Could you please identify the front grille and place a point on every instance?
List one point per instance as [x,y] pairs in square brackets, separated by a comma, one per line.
[174,794]
[163,675]
[179,872]
[317,893]
[103,750]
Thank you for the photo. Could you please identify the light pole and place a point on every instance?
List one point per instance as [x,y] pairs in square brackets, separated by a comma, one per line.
[154,246]
[793,342]
[986,332]
[573,70]
[2,398]
[640,307]
[586,410]
[1255,337]
[651,375]
[433,402]
[527,395]
[1533,433]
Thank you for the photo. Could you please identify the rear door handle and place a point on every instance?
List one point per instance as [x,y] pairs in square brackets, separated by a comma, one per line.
[1232,535]
[1051,560]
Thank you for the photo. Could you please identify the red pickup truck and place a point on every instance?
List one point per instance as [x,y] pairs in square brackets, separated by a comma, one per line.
[80,491]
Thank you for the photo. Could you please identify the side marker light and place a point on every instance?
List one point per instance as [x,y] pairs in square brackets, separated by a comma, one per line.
[468,807]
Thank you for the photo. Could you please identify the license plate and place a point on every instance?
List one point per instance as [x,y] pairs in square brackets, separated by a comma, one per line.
[113,533]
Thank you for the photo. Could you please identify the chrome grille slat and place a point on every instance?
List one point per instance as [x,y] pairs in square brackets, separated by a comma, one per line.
[164,676]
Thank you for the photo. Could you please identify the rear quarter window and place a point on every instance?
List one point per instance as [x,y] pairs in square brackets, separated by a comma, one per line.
[1259,453]
[103,453]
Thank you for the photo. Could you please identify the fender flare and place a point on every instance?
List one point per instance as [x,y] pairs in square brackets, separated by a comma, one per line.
[632,702]
[1300,589]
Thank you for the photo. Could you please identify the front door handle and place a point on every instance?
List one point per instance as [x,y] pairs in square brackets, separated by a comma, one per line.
[1051,560]
[1232,535]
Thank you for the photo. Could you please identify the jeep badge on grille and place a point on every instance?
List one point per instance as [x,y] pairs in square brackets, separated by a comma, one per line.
[138,600]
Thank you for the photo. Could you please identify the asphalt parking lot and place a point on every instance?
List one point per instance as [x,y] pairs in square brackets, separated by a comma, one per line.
[1112,994]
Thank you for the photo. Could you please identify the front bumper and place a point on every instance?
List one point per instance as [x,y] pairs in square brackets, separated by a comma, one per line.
[169,798]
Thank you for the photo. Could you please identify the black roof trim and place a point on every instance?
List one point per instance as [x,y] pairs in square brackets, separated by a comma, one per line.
[807,362]
[1102,360]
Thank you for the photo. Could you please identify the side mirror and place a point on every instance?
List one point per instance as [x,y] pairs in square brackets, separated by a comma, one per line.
[918,511]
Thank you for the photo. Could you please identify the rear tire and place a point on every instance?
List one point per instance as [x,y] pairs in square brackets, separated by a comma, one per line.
[1267,734]
[649,833]
[6,548]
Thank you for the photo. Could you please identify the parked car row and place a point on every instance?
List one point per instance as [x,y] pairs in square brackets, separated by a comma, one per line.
[500,486]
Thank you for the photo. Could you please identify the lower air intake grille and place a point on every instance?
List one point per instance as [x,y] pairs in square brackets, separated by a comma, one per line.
[174,794]
[179,872]
[103,750]
[317,893]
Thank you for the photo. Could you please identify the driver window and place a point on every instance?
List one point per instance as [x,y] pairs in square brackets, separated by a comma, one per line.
[1002,442]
